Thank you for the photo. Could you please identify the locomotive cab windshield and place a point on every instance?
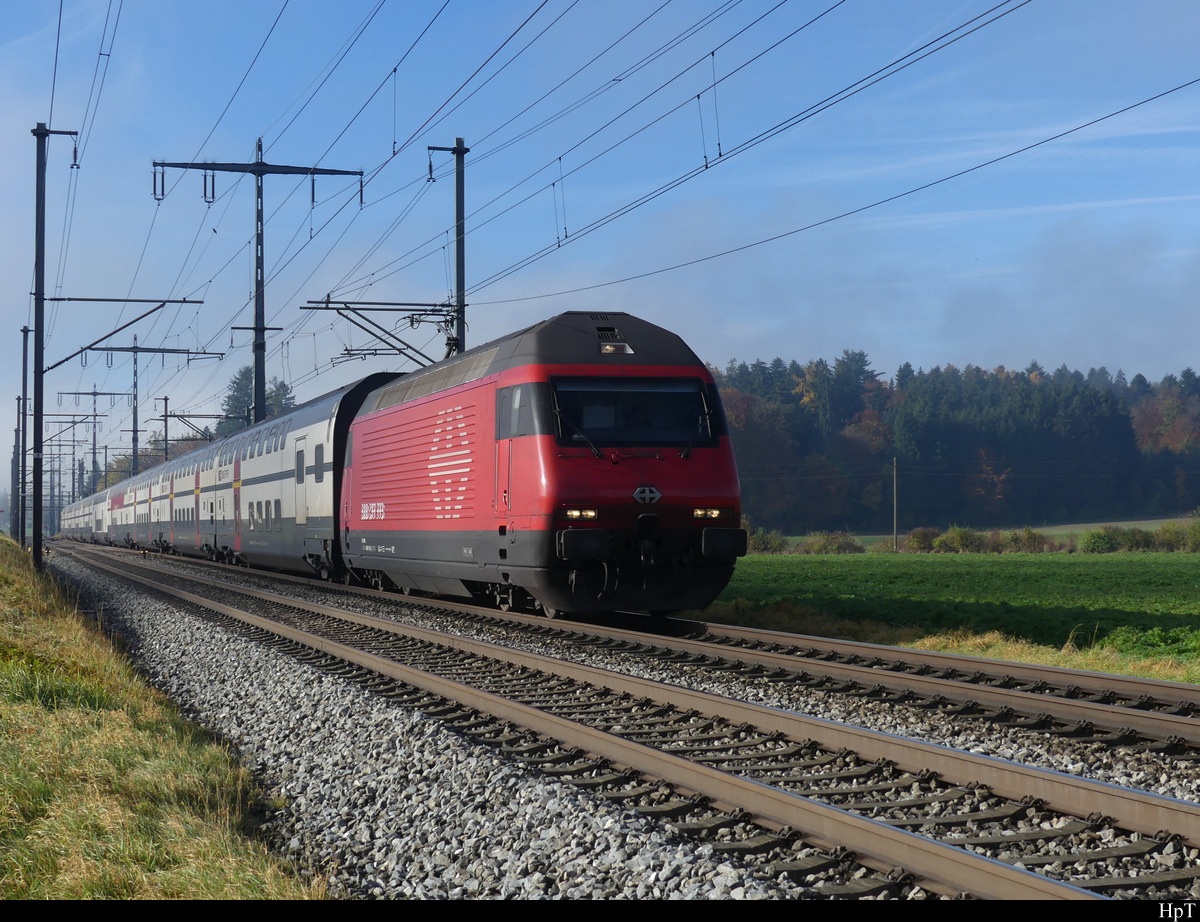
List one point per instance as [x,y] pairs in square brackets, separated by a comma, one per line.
[633,412]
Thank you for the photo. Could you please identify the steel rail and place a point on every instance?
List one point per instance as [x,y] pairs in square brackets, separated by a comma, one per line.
[1093,682]
[1135,810]
[952,868]
[1115,718]
[1131,687]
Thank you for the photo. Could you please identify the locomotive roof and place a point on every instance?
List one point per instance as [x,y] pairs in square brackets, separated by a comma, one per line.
[572,338]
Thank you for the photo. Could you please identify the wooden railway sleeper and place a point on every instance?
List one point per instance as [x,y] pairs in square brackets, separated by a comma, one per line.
[892,784]
[756,845]
[940,797]
[1172,745]
[860,887]
[1038,722]
[1143,703]
[855,772]
[672,809]
[1138,849]
[1009,838]
[966,709]
[996,814]
[712,824]
[1081,728]
[1141,881]
[811,865]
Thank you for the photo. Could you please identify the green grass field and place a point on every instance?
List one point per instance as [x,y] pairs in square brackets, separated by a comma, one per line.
[1136,607]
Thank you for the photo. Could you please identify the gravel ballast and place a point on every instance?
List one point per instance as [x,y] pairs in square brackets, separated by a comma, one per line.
[381,801]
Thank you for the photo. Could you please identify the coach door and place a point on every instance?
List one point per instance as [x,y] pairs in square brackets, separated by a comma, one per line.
[237,499]
[301,507]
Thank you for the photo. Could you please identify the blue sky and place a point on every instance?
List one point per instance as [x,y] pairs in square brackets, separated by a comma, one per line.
[1084,251]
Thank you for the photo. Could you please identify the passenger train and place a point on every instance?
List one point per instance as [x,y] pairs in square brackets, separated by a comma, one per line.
[582,464]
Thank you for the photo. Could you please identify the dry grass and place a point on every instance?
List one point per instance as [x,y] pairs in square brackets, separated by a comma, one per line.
[105,792]
[995,645]
[801,619]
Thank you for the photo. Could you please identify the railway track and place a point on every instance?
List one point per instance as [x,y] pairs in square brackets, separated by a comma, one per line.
[1128,712]
[842,786]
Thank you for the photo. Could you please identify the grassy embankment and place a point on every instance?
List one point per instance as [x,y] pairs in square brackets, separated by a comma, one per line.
[1060,533]
[105,792]
[1130,613]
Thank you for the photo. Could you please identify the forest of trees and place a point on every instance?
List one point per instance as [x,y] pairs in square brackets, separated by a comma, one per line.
[815,444]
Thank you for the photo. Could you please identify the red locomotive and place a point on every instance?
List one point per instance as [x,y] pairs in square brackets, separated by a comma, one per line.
[582,464]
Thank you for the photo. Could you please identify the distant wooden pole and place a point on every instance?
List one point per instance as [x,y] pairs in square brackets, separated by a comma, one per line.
[895,507]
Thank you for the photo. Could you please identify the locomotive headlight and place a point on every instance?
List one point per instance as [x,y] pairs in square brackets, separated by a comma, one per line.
[709,513]
[616,349]
[580,514]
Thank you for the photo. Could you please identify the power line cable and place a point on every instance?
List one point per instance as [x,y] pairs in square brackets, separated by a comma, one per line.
[346,49]
[474,73]
[629,71]
[889,70]
[854,211]
[54,72]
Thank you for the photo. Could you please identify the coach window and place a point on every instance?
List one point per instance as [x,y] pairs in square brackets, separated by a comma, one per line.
[300,466]
[319,463]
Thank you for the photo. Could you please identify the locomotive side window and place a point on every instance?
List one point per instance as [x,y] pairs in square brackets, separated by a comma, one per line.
[319,463]
[521,410]
[633,412]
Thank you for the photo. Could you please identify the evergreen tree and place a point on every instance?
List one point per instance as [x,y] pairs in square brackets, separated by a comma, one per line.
[238,401]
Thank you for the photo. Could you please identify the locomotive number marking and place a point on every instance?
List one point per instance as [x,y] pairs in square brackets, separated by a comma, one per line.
[372,511]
